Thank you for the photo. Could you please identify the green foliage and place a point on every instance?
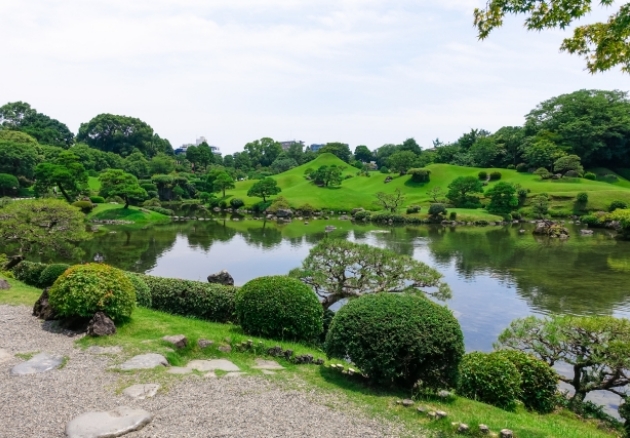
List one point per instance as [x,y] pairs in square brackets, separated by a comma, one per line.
[390,201]
[401,161]
[462,192]
[489,378]
[452,215]
[543,173]
[9,185]
[621,216]
[482,175]
[196,299]
[222,182]
[542,152]
[398,339]
[116,182]
[143,293]
[437,211]
[540,205]
[65,172]
[384,169]
[413,209]
[521,167]
[341,150]
[29,272]
[495,176]
[278,204]
[20,116]
[279,307]
[502,199]
[18,159]
[327,176]
[236,203]
[85,206]
[97,199]
[261,206]
[338,269]
[621,205]
[83,290]
[568,163]
[264,188]
[582,197]
[307,209]
[590,175]
[51,273]
[539,382]
[420,175]
[363,215]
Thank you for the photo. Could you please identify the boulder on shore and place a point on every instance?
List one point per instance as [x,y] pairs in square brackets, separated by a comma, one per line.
[101,325]
[42,308]
[222,277]
[4,285]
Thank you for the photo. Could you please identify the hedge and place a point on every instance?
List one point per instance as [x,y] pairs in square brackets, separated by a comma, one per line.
[29,272]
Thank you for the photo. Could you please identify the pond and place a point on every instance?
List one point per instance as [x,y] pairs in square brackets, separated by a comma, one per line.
[496,273]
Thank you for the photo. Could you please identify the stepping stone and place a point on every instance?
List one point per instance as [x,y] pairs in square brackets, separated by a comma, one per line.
[5,355]
[103,350]
[39,363]
[140,392]
[211,365]
[262,364]
[232,375]
[179,370]
[210,375]
[117,422]
[204,343]
[144,362]
[269,373]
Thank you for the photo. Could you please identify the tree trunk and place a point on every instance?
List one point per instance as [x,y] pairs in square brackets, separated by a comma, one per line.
[13,261]
[126,203]
[63,192]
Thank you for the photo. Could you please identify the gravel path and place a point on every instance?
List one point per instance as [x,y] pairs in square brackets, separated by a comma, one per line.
[40,405]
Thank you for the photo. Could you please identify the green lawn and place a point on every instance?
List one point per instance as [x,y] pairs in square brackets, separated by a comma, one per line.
[146,328]
[359,191]
[137,215]
[94,184]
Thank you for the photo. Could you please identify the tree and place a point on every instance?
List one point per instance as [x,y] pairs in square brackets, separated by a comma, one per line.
[543,173]
[7,135]
[116,182]
[200,156]
[510,139]
[338,269]
[568,163]
[485,152]
[596,347]
[222,182]
[542,153]
[503,199]
[435,193]
[401,161]
[161,163]
[122,135]
[45,224]
[66,173]
[411,145]
[603,45]
[137,165]
[390,201]
[9,184]
[18,159]
[362,153]
[264,188]
[328,176]
[263,152]
[540,205]
[462,191]
[283,163]
[20,116]
[341,150]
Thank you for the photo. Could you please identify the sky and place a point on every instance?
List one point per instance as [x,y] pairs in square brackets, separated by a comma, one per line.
[366,72]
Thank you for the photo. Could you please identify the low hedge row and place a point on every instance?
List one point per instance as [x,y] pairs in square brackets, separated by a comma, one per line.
[29,272]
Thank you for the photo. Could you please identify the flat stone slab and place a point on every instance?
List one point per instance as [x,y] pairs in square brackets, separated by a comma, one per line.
[144,362]
[211,365]
[117,422]
[269,373]
[233,375]
[39,363]
[179,370]
[95,349]
[5,355]
[140,392]
[262,364]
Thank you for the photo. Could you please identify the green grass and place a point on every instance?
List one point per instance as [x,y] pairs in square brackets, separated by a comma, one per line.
[94,184]
[144,331]
[359,191]
[134,214]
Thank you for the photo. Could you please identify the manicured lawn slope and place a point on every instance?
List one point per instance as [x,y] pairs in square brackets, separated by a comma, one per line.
[359,191]
[146,328]
[135,214]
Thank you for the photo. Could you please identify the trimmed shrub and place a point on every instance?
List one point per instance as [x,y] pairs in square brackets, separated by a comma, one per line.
[279,307]
[362,215]
[590,175]
[143,293]
[236,203]
[419,175]
[383,170]
[483,175]
[617,205]
[386,217]
[85,206]
[452,215]
[213,302]
[511,166]
[489,378]
[261,206]
[97,199]
[83,290]
[222,204]
[398,339]
[51,273]
[572,174]
[437,211]
[153,202]
[521,167]
[609,177]
[29,272]
[539,382]
[307,209]
[413,209]
[495,176]
[582,197]
[162,210]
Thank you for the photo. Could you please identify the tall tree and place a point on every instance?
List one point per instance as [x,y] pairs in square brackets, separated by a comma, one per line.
[66,173]
[362,153]
[264,188]
[401,161]
[122,135]
[18,159]
[328,176]
[411,145]
[222,182]
[116,182]
[341,150]
[200,156]
[603,45]
[510,139]
[462,192]
[263,152]
[20,116]
[390,201]
[502,199]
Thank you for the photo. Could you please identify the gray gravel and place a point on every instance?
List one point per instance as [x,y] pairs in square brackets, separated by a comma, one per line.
[40,405]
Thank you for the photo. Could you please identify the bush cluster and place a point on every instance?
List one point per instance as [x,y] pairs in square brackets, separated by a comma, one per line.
[621,205]
[208,301]
[483,175]
[398,339]
[495,176]
[29,272]
[413,209]
[521,167]
[236,203]
[386,217]
[582,197]
[590,175]
[362,215]
[489,378]
[83,290]
[279,307]
[97,199]
[143,293]
[419,175]
[84,206]
[437,211]
[51,273]
[161,210]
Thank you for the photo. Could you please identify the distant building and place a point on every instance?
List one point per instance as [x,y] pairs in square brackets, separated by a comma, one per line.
[286,145]
[182,149]
[315,147]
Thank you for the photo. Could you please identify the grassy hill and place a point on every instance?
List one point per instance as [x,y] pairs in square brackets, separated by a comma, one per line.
[359,191]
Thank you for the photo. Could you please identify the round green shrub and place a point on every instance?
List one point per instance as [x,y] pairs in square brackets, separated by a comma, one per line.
[279,307]
[362,215]
[539,382]
[582,197]
[236,203]
[413,209]
[495,176]
[51,273]
[419,175]
[521,167]
[97,199]
[399,339]
[85,206]
[511,166]
[483,175]
[452,215]
[617,205]
[384,169]
[489,378]
[590,175]
[29,272]
[84,290]
[143,293]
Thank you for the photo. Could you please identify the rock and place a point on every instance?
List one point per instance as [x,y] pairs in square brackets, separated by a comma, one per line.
[103,350]
[583,232]
[222,277]
[114,423]
[344,218]
[262,364]
[422,409]
[484,429]
[551,229]
[506,433]
[232,375]
[225,348]
[42,308]
[388,179]
[179,370]
[407,402]
[204,343]
[284,212]
[101,325]
[178,341]
[5,356]
[140,392]
[432,415]
[212,365]
[144,362]
[4,285]
[443,394]
[39,363]
[330,228]
[463,428]
[440,414]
